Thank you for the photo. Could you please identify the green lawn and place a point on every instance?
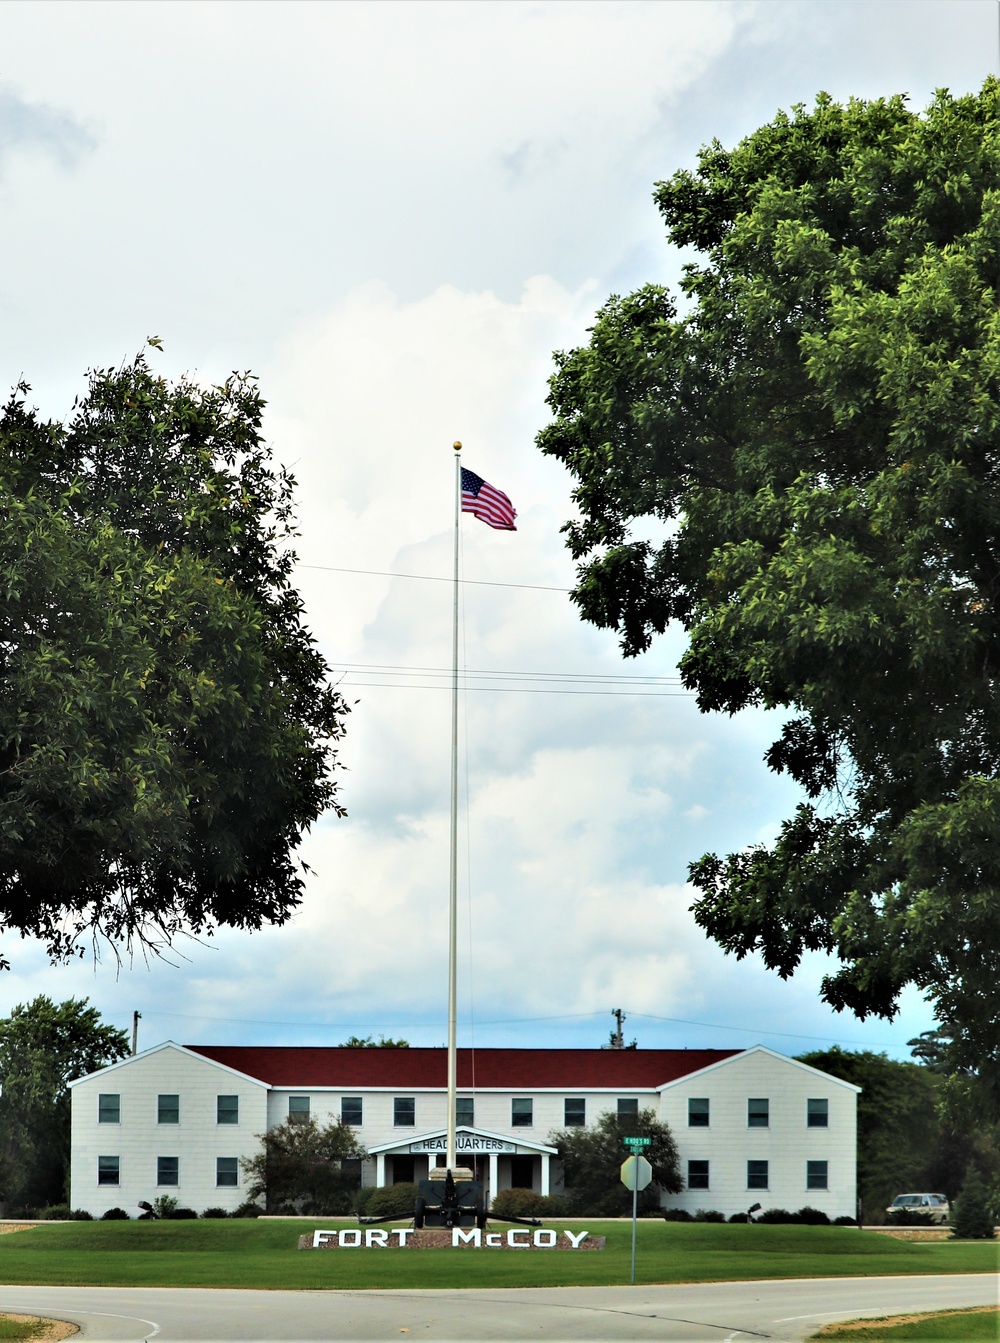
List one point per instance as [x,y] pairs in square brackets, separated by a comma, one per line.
[953,1326]
[265,1254]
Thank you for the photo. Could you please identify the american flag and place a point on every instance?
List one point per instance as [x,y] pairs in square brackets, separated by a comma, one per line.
[490,505]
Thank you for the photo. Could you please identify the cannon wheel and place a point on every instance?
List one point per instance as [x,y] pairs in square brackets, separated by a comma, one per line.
[418,1214]
[481,1218]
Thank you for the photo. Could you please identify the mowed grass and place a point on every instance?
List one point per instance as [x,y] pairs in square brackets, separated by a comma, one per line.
[265,1255]
[953,1326]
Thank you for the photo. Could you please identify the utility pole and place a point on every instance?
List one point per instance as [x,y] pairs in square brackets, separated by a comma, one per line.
[617,1036]
[135,1030]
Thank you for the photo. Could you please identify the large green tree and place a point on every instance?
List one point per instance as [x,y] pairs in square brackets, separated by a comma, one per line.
[592,1160]
[166,722]
[799,461]
[301,1164]
[43,1047]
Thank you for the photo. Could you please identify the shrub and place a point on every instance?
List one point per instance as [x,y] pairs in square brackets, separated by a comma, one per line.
[677,1215]
[812,1217]
[163,1205]
[773,1216]
[845,1221]
[361,1198]
[393,1200]
[216,1213]
[709,1215]
[81,1215]
[58,1212]
[909,1217]
[182,1214]
[526,1203]
[972,1220]
[115,1215]
[739,1217]
[248,1209]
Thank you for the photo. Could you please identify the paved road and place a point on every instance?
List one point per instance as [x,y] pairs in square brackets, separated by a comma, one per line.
[728,1312]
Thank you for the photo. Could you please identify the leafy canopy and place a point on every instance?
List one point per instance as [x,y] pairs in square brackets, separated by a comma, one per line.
[43,1047]
[592,1160]
[300,1165]
[800,463]
[166,723]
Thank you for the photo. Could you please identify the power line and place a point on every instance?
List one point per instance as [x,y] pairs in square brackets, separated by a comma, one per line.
[523,1021]
[432,578]
[545,683]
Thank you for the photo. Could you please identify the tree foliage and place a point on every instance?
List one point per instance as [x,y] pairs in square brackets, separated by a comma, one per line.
[43,1047]
[901,1142]
[972,1218]
[801,465]
[165,719]
[592,1160]
[299,1165]
[369,1042]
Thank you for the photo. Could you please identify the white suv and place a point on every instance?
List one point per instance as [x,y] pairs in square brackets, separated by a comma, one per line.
[934,1206]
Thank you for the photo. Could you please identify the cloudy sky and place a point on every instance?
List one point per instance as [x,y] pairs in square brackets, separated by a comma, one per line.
[393,213]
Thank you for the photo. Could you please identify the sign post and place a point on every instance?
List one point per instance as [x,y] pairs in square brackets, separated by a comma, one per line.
[636,1175]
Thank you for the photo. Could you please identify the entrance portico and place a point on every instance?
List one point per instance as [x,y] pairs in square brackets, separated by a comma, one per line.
[499,1161]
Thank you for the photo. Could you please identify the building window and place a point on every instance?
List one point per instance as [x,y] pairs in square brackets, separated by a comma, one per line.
[758,1113]
[109,1108]
[818,1113]
[168,1109]
[298,1109]
[465,1111]
[697,1174]
[575,1112]
[168,1170]
[627,1106]
[227,1172]
[521,1116]
[817,1175]
[227,1110]
[698,1113]
[107,1170]
[351,1110]
[404,1111]
[756,1174]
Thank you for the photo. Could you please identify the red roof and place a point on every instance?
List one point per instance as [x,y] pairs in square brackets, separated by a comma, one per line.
[510,1069]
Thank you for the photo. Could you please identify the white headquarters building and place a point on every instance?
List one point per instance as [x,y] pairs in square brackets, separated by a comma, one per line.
[751,1126]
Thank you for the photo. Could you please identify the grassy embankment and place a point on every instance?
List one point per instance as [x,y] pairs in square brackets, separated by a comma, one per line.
[951,1326]
[265,1255]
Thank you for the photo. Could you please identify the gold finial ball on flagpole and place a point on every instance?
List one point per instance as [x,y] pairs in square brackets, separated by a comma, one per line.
[457,446]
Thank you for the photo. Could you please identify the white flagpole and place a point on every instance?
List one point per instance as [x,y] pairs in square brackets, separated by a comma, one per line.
[453,891]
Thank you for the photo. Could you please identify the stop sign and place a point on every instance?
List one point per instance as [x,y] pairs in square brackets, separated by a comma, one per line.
[636,1172]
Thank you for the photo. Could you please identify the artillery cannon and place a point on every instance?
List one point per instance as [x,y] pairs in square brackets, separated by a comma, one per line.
[449,1203]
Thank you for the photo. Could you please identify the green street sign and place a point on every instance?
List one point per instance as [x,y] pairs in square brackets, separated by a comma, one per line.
[637,1142]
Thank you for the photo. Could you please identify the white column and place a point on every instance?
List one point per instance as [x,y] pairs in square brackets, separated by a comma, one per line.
[493,1177]
[545,1174]
[380,1169]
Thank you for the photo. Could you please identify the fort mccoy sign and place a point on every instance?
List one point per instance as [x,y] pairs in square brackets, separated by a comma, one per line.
[458,1238]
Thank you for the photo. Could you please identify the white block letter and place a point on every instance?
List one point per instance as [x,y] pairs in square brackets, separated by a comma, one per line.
[460,1237]
[349,1240]
[575,1240]
[402,1233]
[493,1238]
[320,1238]
[517,1244]
[376,1237]
[545,1240]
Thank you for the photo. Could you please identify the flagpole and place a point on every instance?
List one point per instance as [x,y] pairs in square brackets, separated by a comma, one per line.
[453,886]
